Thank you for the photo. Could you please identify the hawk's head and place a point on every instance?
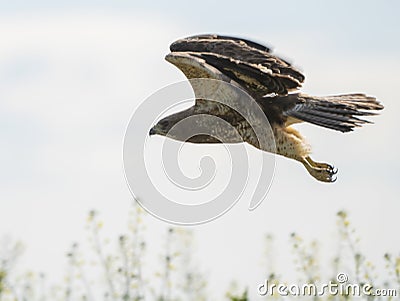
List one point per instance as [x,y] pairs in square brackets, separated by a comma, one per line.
[162,127]
[166,126]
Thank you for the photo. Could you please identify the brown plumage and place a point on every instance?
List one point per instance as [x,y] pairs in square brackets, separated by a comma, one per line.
[271,82]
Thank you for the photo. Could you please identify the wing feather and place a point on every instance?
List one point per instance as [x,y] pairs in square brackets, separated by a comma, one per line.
[247,62]
[195,67]
[257,80]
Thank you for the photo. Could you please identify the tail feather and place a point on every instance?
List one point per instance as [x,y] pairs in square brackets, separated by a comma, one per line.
[335,112]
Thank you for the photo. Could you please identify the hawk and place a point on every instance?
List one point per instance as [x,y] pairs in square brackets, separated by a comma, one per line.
[273,83]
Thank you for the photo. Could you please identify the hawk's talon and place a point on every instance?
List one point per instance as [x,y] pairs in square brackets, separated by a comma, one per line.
[321,171]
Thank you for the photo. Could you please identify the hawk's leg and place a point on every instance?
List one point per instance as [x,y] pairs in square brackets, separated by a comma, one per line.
[291,144]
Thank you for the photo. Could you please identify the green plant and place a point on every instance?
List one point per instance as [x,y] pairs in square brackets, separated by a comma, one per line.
[121,268]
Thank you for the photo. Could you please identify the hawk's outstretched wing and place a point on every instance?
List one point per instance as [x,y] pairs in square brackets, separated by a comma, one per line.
[194,68]
[248,63]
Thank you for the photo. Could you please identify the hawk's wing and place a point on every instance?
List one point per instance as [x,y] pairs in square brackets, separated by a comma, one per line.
[248,63]
[220,90]
[219,95]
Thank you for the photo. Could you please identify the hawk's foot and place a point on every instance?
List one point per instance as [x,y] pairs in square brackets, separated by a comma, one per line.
[321,171]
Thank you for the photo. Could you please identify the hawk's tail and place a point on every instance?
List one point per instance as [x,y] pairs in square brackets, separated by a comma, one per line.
[339,112]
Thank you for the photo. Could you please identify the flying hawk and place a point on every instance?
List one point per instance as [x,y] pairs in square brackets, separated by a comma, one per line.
[272,83]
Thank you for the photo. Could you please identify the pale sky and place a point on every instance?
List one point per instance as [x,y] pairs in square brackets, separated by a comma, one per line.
[72,73]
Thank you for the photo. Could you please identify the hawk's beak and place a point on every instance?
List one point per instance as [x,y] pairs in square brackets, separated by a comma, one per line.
[152,131]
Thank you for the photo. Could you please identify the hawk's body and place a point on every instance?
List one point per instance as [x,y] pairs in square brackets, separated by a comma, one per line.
[268,80]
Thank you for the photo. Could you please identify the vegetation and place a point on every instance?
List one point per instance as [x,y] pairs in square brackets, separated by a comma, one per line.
[123,278]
